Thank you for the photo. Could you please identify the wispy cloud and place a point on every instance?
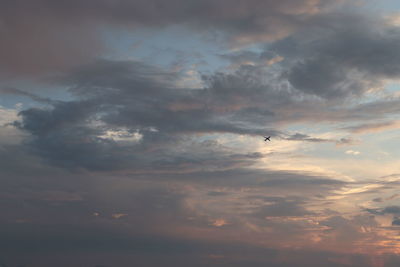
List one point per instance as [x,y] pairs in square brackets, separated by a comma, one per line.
[373,127]
[353,152]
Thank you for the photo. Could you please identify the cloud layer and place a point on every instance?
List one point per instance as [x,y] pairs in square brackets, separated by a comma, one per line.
[48,36]
[106,161]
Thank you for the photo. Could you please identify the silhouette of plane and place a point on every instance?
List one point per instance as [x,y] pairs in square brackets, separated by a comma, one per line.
[267,138]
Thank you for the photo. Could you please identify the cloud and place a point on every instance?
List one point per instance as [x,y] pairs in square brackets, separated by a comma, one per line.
[127,114]
[9,134]
[110,248]
[307,138]
[118,215]
[395,210]
[18,92]
[275,95]
[396,221]
[372,127]
[118,97]
[219,223]
[344,231]
[43,41]
[7,116]
[340,55]
[353,152]
[331,65]
[378,199]
[48,36]
[96,174]
[392,210]
[279,207]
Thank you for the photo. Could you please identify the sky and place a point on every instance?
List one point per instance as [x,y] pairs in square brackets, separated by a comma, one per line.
[132,133]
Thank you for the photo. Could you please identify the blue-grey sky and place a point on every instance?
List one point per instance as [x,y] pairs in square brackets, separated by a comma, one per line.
[132,133]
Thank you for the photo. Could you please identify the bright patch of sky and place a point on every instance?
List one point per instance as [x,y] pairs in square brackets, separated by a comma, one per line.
[44,90]
[393,88]
[387,5]
[168,47]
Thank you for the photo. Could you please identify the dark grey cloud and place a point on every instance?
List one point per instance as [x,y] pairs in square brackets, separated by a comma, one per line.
[282,182]
[391,210]
[97,247]
[342,230]
[18,163]
[341,55]
[305,137]
[378,199]
[279,207]
[268,97]
[27,237]
[395,210]
[45,209]
[140,99]
[396,221]
[338,54]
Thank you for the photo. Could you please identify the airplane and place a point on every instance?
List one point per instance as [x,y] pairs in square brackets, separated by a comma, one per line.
[267,138]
